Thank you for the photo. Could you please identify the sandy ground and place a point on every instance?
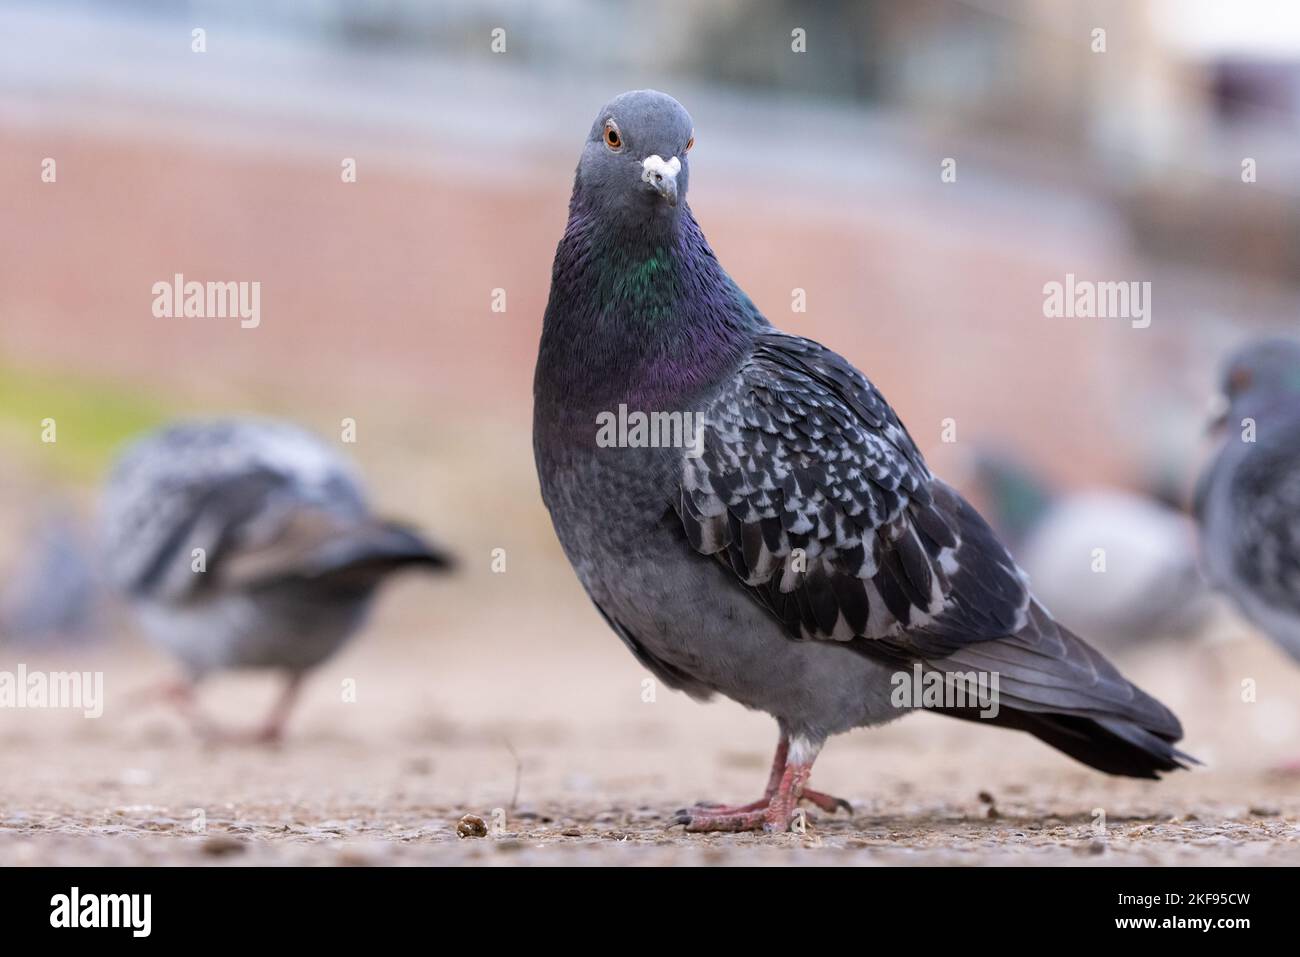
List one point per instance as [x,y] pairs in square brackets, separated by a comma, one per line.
[545,736]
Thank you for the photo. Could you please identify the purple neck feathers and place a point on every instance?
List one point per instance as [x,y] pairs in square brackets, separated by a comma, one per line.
[645,316]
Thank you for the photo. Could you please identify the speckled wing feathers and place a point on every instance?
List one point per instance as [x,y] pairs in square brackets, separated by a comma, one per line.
[1266,543]
[802,453]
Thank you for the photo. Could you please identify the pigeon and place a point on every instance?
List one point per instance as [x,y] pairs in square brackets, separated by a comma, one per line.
[1145,583]
[1248,499]
[248,543]
[752,519]
[54,596]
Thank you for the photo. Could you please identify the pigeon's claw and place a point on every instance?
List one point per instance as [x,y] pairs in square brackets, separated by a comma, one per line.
[827,802]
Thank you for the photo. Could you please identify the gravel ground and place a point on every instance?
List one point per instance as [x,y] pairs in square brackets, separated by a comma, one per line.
[552,746]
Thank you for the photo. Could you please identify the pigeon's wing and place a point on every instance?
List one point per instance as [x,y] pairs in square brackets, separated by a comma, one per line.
[808,486]
[1265,492]
[810,489]
[228,530]
[183,503]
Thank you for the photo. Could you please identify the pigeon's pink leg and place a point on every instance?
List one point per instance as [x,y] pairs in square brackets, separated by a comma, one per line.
[270,731]
[773,782]
[786,787]
[180,694]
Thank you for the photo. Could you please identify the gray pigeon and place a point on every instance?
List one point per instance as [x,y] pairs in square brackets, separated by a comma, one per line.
[1248,500]
[752,519]
[248,544]
[54,596]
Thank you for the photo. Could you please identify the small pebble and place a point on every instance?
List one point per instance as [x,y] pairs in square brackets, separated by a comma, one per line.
[471,825]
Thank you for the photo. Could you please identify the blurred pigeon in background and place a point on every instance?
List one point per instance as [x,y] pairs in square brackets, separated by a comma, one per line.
[53,595]
[1150,585]
[1248,499]
[248,544]
[750,516]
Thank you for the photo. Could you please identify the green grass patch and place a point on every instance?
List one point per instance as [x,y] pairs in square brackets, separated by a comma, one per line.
[92,419]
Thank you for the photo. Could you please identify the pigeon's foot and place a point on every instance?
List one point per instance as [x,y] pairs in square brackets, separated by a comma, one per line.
[270,732]
[772,815]
[179,693]
[827,802]
[770,812]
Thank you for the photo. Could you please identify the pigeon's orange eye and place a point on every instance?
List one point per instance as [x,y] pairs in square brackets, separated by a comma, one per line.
[1239,380]
[612,138]
[689,144]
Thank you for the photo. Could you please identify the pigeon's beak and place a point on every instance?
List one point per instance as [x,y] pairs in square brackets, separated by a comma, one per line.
[662,176]
[1217,412]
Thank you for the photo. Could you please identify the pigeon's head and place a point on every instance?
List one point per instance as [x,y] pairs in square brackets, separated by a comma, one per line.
[633,166]
[1262,373]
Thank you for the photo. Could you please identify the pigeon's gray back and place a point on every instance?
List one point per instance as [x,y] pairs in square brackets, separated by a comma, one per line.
[1249,507]
[193,484]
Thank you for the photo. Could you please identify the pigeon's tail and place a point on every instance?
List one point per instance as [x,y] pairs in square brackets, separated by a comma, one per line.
[1115,747]
[1052,684]
[319,546]
[374,550]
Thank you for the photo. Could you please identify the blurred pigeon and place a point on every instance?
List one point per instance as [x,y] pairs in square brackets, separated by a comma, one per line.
[248,544]
[751,518]
[1151,584]
[54,594]
[1248,499]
